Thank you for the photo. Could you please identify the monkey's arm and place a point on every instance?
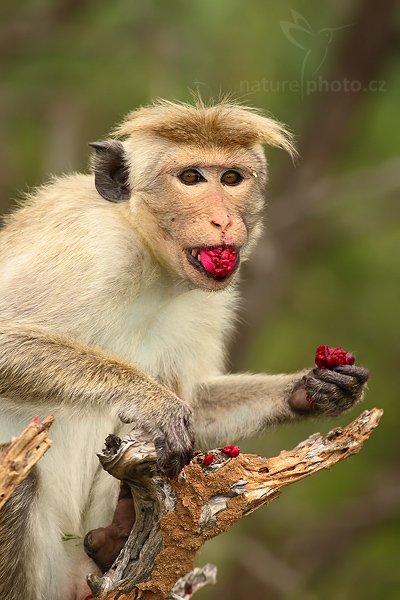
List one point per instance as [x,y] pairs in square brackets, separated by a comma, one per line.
[230,407]
[38,367]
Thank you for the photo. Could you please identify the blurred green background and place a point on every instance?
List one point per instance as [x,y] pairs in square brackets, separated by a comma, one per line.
[326,271]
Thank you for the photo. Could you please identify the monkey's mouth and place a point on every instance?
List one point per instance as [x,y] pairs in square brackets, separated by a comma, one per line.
[217,262]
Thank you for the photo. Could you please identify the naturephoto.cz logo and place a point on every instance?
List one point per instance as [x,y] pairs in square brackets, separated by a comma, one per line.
[314,46]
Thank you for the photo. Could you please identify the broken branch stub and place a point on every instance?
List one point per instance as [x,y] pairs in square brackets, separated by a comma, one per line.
[19,457]
[175,518]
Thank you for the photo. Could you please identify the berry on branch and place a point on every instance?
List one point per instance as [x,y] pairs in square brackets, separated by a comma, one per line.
[231,451]
[208,459]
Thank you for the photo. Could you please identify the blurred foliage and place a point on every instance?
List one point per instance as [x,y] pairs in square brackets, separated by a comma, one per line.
[70,70]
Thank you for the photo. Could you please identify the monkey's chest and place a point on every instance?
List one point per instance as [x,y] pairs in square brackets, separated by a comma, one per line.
[178,340]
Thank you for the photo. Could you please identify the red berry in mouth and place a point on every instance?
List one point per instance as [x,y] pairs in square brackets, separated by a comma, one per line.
[329,358]
[218,261]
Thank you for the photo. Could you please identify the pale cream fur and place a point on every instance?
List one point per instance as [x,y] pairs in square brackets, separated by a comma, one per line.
[83,277]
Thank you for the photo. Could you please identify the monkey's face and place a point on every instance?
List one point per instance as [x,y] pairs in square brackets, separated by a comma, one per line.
[201,211]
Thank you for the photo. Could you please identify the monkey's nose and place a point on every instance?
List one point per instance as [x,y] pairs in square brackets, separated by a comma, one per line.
[221,222]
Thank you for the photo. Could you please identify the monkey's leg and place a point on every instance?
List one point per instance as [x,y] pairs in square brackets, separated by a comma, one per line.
[230,407]
[105,543]
[33,562]
[15,527]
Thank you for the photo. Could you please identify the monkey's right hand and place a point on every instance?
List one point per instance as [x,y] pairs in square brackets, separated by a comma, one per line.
[173,435]
[174,441]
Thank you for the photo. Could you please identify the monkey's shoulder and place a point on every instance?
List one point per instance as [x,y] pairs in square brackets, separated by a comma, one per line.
[61,210]
[65,248]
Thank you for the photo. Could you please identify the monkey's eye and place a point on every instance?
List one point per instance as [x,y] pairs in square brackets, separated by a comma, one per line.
[231,178]
[191,177]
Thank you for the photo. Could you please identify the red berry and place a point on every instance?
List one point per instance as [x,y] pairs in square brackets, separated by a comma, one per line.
[208,459]
[219,261]
[231,451]
[329,358]
[234,452]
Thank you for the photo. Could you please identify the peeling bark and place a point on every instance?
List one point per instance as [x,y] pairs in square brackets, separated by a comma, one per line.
[18,457]
[186,586]
[175,518]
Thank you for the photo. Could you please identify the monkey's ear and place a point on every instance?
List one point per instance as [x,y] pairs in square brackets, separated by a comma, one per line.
[111,170]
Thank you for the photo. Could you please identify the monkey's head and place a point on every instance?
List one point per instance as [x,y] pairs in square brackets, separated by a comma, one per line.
[193,178]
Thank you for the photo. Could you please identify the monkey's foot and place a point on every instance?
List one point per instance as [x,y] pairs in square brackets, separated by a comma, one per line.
[105,543]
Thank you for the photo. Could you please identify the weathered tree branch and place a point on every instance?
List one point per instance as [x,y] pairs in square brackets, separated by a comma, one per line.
[19,456]
[174,519]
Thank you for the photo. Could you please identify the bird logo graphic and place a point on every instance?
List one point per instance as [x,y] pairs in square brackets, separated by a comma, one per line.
[315,44]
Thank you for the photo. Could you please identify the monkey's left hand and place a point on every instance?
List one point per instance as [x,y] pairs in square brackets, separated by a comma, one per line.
[329,392]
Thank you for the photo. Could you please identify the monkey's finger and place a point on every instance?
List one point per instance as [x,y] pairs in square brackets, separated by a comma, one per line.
[187,456]
[176,460]
[170,462]
[345,382]
[318,388]
[160,443]
[184,454]
[360,373]
[312,383]
[173,466]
